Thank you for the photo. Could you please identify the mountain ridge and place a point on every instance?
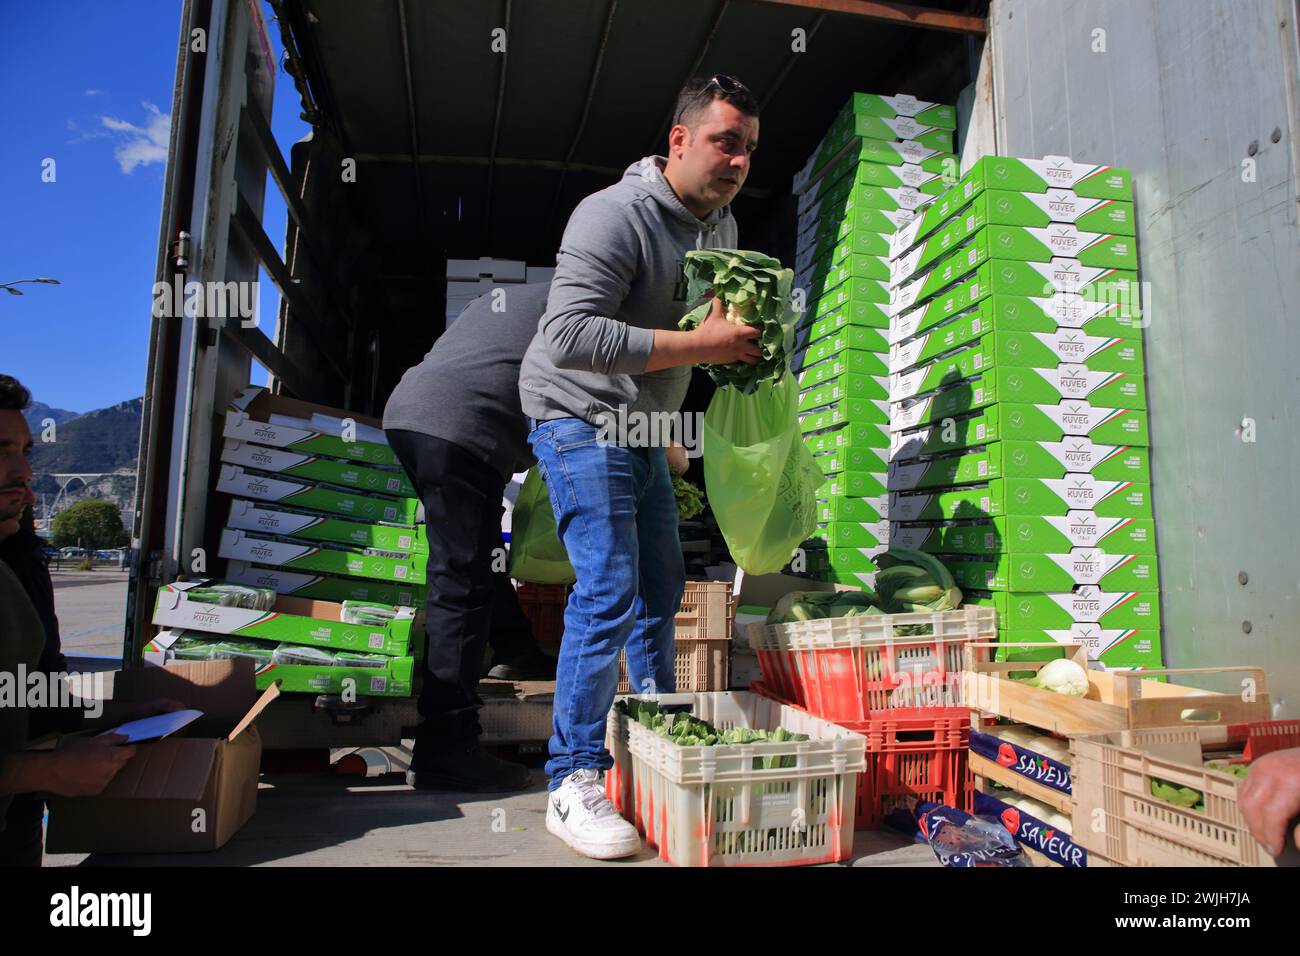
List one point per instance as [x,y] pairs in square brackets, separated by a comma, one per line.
[103,442]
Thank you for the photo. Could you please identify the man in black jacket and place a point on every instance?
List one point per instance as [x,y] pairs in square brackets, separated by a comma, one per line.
[80,766]
[20,840]
[455,424]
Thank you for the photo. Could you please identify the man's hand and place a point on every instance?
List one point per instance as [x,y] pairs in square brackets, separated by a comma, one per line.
[1269,798]
[718,342]
[678,459]
[84,766]
[715,341]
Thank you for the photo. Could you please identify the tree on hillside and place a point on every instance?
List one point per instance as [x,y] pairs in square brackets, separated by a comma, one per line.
[92,524]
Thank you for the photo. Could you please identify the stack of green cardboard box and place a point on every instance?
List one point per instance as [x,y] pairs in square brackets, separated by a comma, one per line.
[883,157]
[317,515]
[320,513]
[308,646]
[1019,446]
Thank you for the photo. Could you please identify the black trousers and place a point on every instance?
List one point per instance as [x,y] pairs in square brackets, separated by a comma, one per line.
[22,840]
[469,603]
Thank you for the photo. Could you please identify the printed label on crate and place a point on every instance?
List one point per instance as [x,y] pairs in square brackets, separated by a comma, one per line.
[1085,529]
[1066,382]
[1103,644]
[1078,455]
[1083,493]
[905,104]
[1080,418]
[913,177]
[1021,760]
[1057,572]
[1084,605]
[1053,842]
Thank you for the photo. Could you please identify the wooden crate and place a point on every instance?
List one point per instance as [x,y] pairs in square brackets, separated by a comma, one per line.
[984,769]
[1113,772]
[1116,700]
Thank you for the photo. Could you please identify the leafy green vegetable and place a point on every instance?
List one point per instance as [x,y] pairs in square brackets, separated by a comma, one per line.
[814,605]
[915,581]
[1061,676]
[690,500]
[688,731]
[757,292]
[1179,796]
[1238,770]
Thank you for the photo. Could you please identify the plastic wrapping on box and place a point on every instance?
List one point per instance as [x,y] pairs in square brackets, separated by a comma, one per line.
[353,659]
[961,840]
[367,613]
[232,595]
[297,654]
[259,653]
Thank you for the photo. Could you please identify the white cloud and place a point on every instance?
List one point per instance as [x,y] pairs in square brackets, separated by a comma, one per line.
[94,93]
[85,135]
[140,145]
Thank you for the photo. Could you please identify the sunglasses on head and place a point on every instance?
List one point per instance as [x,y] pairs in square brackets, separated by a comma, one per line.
[721,81]
[728,84]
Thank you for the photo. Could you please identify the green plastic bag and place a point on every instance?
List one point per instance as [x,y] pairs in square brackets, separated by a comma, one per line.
[537,554]
[759,476]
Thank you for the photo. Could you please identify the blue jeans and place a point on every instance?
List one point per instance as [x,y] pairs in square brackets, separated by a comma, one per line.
[617,516]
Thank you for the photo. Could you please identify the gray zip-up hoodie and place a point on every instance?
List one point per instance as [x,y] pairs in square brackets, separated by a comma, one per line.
[618,277]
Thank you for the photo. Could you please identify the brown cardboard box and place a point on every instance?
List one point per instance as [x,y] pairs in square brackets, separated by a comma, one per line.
[764,590]
[182,793]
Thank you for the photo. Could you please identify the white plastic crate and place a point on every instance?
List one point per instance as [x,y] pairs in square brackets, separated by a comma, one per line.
[710,806]
[964,623]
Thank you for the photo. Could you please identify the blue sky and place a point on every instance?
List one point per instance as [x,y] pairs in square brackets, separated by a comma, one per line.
[88,84]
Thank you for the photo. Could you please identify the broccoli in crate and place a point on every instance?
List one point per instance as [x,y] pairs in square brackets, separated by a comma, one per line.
[684,730]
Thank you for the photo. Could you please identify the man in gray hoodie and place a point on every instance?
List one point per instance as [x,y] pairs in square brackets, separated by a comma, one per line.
[607,352]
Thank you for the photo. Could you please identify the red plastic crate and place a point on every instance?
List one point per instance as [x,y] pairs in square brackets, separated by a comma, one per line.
[543,605]
[915,757]
[865,668]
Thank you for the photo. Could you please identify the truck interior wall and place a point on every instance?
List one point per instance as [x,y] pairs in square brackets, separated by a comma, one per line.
[1199,99]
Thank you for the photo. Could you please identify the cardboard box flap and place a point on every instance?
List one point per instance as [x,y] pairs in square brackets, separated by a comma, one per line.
[324,610]
[268,695]
[258,402]
[224,690]
[164,639]
[242,398]
[174,768]
[764,590]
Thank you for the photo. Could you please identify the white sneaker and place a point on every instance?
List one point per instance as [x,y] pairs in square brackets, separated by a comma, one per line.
[579,813]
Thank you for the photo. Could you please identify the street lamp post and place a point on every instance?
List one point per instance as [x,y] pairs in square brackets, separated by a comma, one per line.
[9,286]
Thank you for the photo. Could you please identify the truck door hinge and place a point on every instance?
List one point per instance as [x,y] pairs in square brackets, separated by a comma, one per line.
[181,250]
[154,568]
